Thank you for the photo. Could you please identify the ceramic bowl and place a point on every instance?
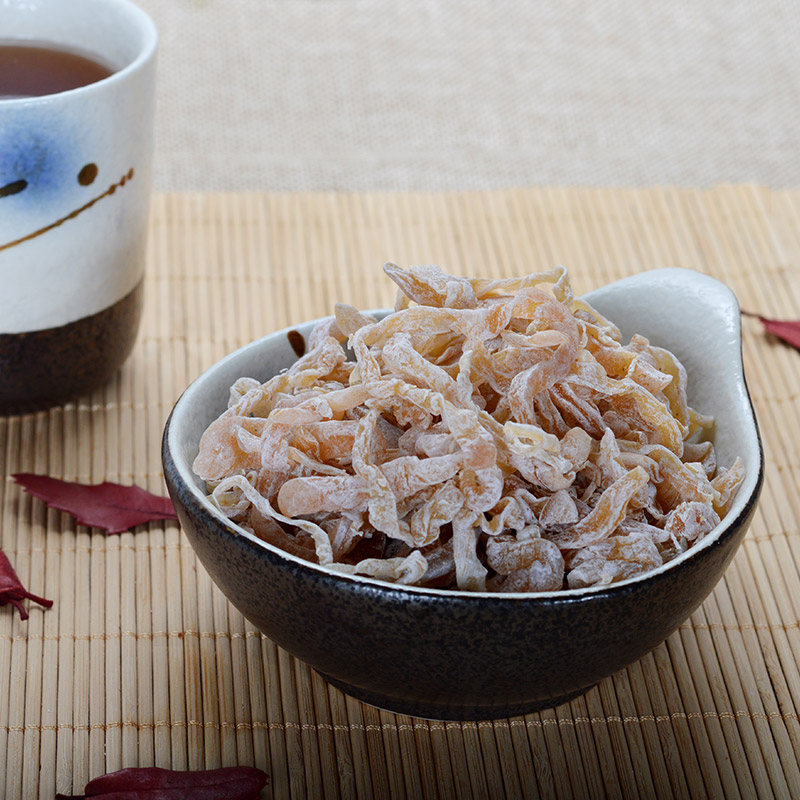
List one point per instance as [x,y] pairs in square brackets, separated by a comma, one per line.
[460,655]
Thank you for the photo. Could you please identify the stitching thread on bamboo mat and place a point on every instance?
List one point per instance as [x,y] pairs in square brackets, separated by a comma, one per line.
[135,477]
[768,537]
[742,626]
[181,634]
[402,727]
[110,546]
[146,635]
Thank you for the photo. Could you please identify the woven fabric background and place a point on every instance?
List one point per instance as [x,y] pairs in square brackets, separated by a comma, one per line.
[439,94]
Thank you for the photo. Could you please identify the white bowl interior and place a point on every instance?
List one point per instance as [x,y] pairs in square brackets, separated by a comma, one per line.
[691,314]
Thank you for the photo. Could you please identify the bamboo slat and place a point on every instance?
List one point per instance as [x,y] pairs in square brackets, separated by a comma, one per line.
[142,661]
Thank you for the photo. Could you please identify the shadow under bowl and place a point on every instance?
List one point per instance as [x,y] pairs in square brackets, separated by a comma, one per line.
[467,656]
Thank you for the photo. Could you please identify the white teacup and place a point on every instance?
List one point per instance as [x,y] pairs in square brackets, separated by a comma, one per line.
[74,196]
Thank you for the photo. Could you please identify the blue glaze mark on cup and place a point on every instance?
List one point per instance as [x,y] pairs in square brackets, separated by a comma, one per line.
[41,159]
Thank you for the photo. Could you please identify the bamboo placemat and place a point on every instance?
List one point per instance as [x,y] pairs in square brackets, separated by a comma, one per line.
[141,661]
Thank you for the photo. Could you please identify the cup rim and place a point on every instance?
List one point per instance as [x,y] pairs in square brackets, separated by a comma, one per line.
[146,53]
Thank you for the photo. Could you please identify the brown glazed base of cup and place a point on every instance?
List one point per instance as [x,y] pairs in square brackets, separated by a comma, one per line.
[44,368]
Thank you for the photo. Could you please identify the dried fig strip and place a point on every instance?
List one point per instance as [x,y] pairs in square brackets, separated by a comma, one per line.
[476,442]
[674,480]
[537,456]
[269,531]
[423,524]
[531,565]
[613,560]
[429,286]
[349,319]
[382,504]
[408,569]
[470,572]
[326,494]
[489,288]
[322,542]
[230,443]
[689,522]
[607,514]
[402,360]
[408,475]
[328,441]
[726,484]
[404,476]
[701,453]
[633,402]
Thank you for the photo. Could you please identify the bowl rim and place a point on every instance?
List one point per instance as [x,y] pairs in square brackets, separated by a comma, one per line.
[176,477]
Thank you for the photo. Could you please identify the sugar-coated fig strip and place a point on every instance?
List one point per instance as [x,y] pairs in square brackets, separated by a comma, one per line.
[381,503]
[674,480]
[269,531]
[726,485]
[327,441]
[510,513]
[322,542]
[428,518]
[428,285]
[222,452]
[349,319]
[400,357]
[690,521]
[487,288]
[526,385]
[410,474]
[476,442]
[405,476]
[470,572]
[633,402]
[530,565]
[604,518]
[675,390]
[576,410]
[315,494]
[559,509]
[482,488]
[615,559]
[406,569]
[538,458]
[701,453]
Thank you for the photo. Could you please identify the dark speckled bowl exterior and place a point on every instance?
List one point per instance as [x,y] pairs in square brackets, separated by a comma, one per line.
[450,655]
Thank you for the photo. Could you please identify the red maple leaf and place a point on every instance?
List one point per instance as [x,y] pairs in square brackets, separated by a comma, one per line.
[786,330]
[111,506]
[12,591]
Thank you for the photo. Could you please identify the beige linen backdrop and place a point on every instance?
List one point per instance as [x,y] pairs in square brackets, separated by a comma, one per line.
[442,94]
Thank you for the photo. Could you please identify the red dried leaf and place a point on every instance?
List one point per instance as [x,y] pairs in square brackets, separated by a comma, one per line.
[111,506]
[786,330]
[154,783]
[12,591]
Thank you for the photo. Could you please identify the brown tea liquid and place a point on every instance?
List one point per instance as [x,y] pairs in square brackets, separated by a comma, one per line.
[34,69]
